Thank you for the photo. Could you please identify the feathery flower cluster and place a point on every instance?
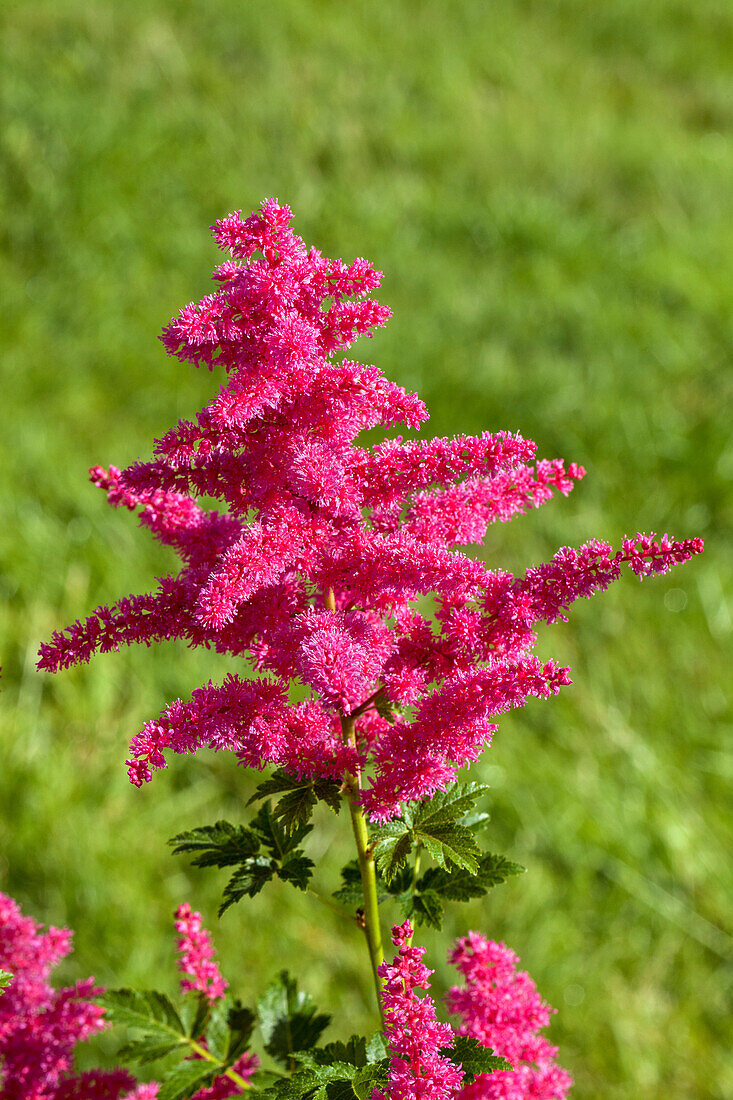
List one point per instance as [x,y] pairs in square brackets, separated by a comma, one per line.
[40,1026]
[313,571]
[501,1008]
[418,1071]
[197,956]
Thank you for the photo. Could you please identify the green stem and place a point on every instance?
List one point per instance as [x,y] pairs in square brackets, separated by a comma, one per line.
[416,867]
[230,1073]
[367,868]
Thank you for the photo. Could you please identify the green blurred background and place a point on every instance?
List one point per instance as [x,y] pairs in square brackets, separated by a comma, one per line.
[547,186]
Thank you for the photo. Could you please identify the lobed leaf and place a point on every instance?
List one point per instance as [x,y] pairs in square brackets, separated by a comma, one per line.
[185,1079]
[300,797]
[219,845]
[474,1058]
[288,1019]
[146,1010]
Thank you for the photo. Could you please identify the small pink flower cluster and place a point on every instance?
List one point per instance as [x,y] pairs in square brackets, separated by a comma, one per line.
[314,572]
[40,1026]
[418,1071]
[501,1008]
[197,956]
[196,960]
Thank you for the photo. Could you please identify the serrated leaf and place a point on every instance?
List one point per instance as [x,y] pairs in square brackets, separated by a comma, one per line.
[423,907]
[241,1024]
[352,1051]
[434,824]
[219,845]
[296,869]
[392,848]
[5,980]
[369,1077]
[277,839]
[194,1013]
[376,1048]
[146,1010]
[148,1049]
[474,1058]
[461,885]
[451,804]
[386,709]
[185,1079]
[218,1032]
[300,797]
[229,1030]
[246,882]
[350,892]
[340,1090]
[288,1019]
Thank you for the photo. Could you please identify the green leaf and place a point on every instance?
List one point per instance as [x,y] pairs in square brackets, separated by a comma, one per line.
[369,1077]
[218,1033]
[461,885]
[474,1058]
[241,1023]
[350,891]
[247,881]
[276,838]
[352,1051]
[296,868]
[185,1079]
[300,798]
[229,1031]
[261,851]
[386,709]
[435,824]
[422,907]
[394,841]
[219,845]
[376,1048]
[148,1049]
[5,979]
[194,1013]
[147,1010]
[288,1019]
[476,821]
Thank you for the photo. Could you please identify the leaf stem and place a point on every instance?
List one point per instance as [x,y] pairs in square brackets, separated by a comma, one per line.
[332,905]
[367,868]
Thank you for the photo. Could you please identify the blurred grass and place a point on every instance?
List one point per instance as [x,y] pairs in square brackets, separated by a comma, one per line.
[548,189]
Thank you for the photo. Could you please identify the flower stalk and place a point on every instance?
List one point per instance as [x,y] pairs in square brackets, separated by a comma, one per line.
[367,867]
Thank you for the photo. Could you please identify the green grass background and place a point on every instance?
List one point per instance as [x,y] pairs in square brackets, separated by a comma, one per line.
[547,186]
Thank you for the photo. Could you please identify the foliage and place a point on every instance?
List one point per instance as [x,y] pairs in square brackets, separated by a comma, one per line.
[264,850]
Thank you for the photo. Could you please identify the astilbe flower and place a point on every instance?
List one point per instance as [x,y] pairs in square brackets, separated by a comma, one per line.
[196,956]
[202,975]
[501,1008]
[40,1026]
[196,960]
[418,1071]
[323,541]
